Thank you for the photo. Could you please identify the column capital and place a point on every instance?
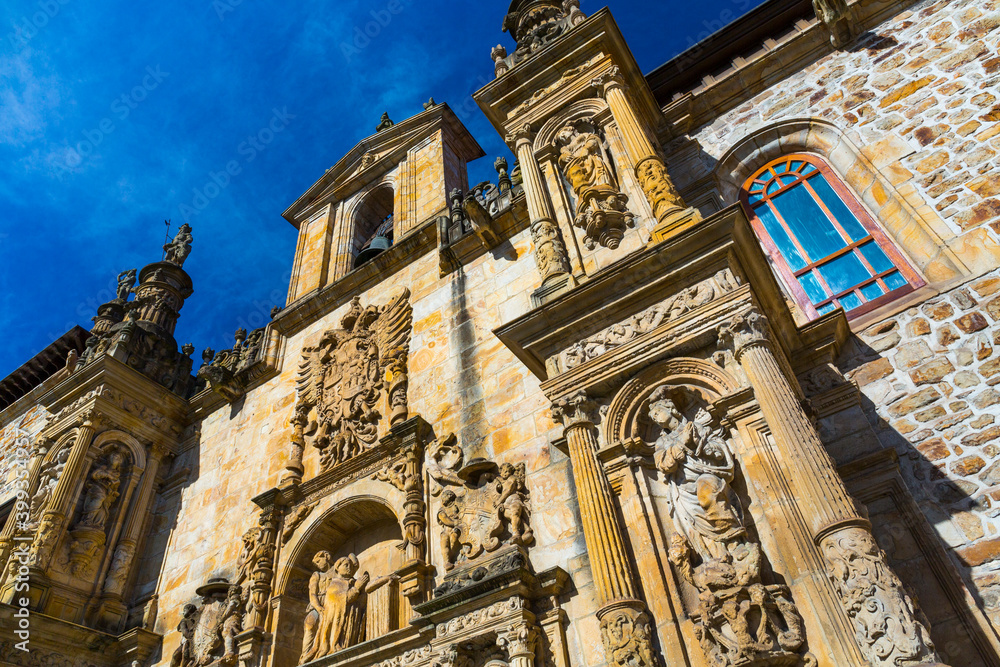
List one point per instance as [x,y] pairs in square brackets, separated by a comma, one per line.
[625,631]
[520,639]
[575,409]
[520,135]
[744,330]
[613,79]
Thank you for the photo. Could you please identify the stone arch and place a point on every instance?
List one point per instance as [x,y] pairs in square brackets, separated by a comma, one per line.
[364,519]
[65,441]
[136,450]
[914,227]
[696,375]
[587,108]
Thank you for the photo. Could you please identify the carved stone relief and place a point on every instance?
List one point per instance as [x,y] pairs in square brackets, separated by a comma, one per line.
[601,207]
[641,323]
[739,620]
[889,627]
[483,506]
[208,631]
[338,602]
[342,379]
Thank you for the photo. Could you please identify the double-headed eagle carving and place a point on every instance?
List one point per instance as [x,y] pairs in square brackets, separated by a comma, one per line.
[342,380]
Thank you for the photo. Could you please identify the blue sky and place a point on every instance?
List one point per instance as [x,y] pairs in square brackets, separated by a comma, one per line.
[114,116]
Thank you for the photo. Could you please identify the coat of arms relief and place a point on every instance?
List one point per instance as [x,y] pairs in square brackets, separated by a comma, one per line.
[351,375]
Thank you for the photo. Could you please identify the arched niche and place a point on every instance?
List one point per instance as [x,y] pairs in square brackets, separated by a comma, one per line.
[137,451]
[623,420]
[373,215]
[914,227]
[590,108]
[364,524]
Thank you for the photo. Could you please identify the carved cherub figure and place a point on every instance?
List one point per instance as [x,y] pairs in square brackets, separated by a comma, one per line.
[449,517]
[511,493]
[232,619]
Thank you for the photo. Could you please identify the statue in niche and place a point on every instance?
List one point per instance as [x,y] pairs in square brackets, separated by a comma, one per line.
[601,209]
[342,379]
[102,490]
[178,250]
[338,603]
[739,620]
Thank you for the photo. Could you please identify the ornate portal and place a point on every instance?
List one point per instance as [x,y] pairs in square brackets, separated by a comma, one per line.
[344,378]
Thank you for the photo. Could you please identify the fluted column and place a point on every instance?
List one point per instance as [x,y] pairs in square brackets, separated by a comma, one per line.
[550,250]
[668,206]
[886,624]
[624,621]
[54,518]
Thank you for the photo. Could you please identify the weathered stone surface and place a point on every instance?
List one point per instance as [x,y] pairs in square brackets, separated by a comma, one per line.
[932,372]
[872,371]
[934,449]
[914,402]
[969,465]
[909,355]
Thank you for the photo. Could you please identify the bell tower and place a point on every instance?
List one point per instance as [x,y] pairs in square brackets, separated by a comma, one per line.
[390,187]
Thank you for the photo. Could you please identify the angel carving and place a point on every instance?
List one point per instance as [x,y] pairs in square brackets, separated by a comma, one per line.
[342,380]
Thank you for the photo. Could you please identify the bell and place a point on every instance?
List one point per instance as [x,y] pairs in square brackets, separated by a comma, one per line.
[378,245]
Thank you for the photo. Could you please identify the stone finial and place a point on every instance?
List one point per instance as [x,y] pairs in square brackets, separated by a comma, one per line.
[187,349]
[384,123]
[274,311]
[429,104]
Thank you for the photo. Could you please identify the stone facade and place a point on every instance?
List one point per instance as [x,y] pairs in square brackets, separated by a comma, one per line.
[575,417]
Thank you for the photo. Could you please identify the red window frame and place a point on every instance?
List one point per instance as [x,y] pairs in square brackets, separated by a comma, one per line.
[758,184]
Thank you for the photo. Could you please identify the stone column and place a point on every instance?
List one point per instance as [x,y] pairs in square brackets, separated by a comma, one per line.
[624,621]
[9,535]
[669,208]
[887,627]
[521,642]
[550,251]
[54,518]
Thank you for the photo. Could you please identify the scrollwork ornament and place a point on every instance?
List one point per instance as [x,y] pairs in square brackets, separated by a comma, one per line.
[611,79]
[575,409]
[519,135]
[519,640]
[627,638]
[743,331]
[888,626]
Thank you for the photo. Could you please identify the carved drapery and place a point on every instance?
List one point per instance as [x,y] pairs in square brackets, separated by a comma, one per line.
[739,619]
[623,618]
[887,626]
[549,248]
[650,170]
[601,208]
[342,379]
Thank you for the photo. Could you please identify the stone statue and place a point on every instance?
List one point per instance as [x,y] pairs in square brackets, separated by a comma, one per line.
[48,479]
[449,516]
[102,490]
[739,620]
[384,123]
[601,209]
[149,613]
[337,606]
[511,493]
[184,654]
[126,281]
[232,619]
[178,250]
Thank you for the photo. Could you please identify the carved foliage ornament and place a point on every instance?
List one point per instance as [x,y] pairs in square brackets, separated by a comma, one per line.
[661,313]
[601,208]
[739,620]
[483,506]
[888,625]
[342,379]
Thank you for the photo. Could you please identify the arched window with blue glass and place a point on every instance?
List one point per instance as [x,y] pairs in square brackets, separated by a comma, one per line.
[830,251]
